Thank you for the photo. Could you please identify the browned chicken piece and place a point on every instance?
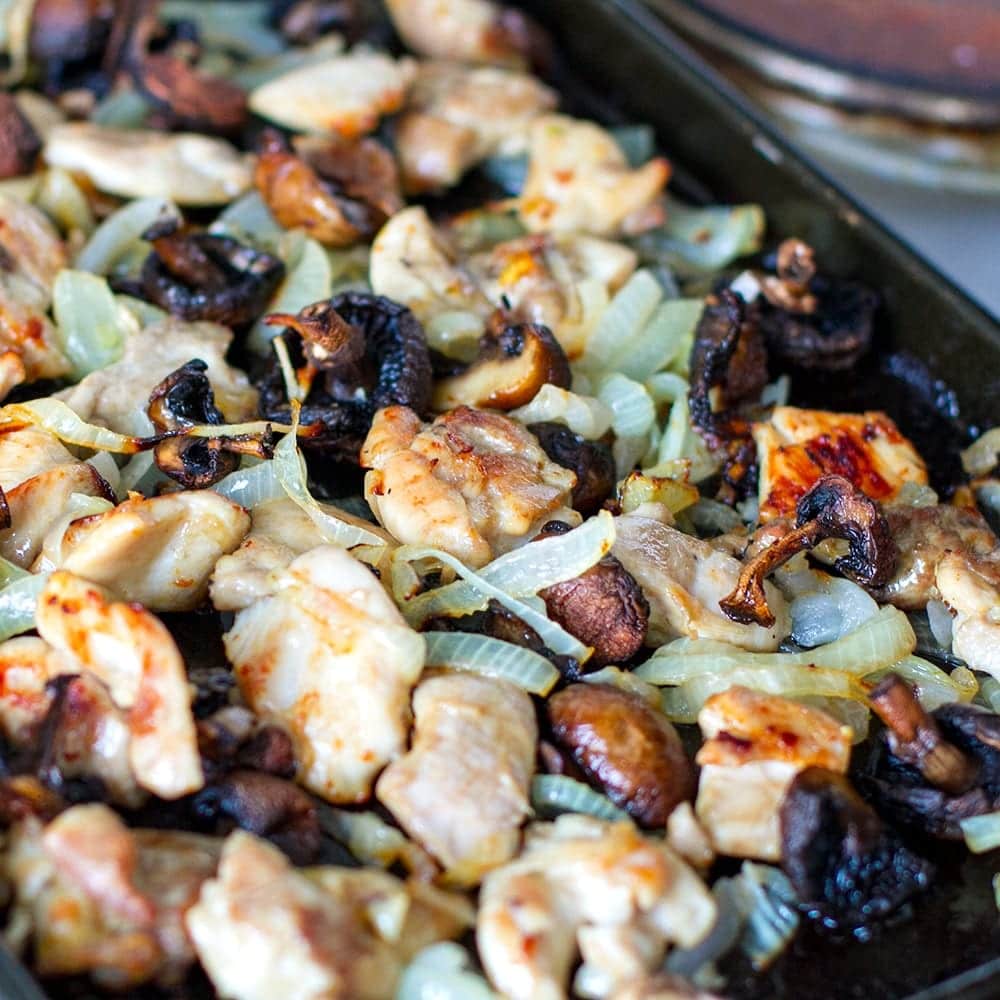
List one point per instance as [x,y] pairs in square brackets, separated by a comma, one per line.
[754,746]
[473,483]
[459,115]
[462,790]
[100,899]
[263,929]
[589,888]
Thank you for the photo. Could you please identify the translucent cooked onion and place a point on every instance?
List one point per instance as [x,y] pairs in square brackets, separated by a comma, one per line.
[624,319]
[57,418]
[443,972]
[373,841]
[583,415]
[233,26]
[121,231]
[553,794]
[639,488]
[18,599]
[854,714]
[520,573]
[980,457]
[61,199]
[625,681]
[632,411]
[482,654]
[772,919]
[251,485]
[92,326]
[989,694]
[981,833]
[940,621]
[665,341]
[835,608]
[249,220]
[933,686]
[680,440]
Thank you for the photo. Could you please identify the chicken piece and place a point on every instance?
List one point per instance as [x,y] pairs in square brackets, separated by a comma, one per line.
[28,451]
[131,651]
[183,167]
[329,658]
[473,483]
[580,882]
[684,579]
[971,588]
[473,31]
[579,181]
[347,93]
[31,255]
[263,929]
[106,900]
[754,746]
[462,790]
[159,552]
[457,116]
[27,664]
[117,396]
[280,531]
[543,279]
[797,447]
[412,264]
[40,504]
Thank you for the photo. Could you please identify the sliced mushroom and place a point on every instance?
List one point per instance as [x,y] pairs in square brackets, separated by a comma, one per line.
[846,868]
[833,508]
[355,354]
[199,276]
[340,191]
[19,142]
[626,747]
[183,167]
[515,360]
[591,461]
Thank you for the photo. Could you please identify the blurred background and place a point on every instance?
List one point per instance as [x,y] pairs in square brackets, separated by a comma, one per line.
[898,99]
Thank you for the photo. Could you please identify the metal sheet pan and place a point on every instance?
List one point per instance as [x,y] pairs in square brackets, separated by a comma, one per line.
[628,67]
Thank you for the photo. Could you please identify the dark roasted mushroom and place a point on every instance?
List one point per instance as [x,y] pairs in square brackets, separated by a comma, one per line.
[19,142]
[811,320]
[67,39]
[338,190]
[304,21]
[604,608]
[832,508]
[185,399]
[354,355]
[198,276]
[948,771]
[267,806]
[847,869]
[515,360]
[592,461]
[625,747]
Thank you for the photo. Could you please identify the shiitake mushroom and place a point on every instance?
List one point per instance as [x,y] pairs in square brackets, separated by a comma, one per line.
[354,355]
[19,142]
[592,461]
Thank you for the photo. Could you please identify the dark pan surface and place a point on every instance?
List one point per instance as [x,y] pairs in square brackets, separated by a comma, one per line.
[627,67]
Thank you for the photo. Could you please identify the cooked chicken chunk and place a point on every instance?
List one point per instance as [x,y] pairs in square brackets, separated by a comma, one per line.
[971,588]
[40,504]
[796,447]
[159,552]
[27,664]
[263,929]
[581,883]
[462,790]
[580,182]
[466,30]
[347,93]
[754,746]
[183,167]
[328,657]
[102,899]
[458,116]
[280,531]
[117,396]
[412,264]
[28,451]
[684,579]
[31,248]
[131,651]
[473,483]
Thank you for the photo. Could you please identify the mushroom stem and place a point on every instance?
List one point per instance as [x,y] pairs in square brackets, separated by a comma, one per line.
[329,341]
[915,738]
[747,603]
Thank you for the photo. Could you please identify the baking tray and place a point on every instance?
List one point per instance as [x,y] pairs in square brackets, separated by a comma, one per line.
[627,66]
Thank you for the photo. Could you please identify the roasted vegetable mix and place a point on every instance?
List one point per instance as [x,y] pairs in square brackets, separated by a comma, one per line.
[524,601]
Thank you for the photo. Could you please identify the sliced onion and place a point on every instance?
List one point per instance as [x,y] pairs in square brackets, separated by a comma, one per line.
[855,715]
[121,231]
[520,573]
[483,228]
[107,469]
[665,340]
[482,654]
[17,604]
[625,681]
[236,26]
[307,280]
[940,621]
[145,313]
[632,411]
[776,393]
[933,686]
[989,694]
[713,518]
[583,415]
[553,794]
[57,418]
[980,458]
[443,971]
[667,387]
[624,319]
[835,608]
[772,918]
[680,440]
[373,841]
[639,488]
[125,108]
[92,325]
[455,333]
[61,199]
[250,485]
[981,833]
[249,220]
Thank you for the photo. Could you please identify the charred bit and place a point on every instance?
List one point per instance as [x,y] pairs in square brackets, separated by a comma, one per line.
[19,142]
[832,508]
[592,461]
